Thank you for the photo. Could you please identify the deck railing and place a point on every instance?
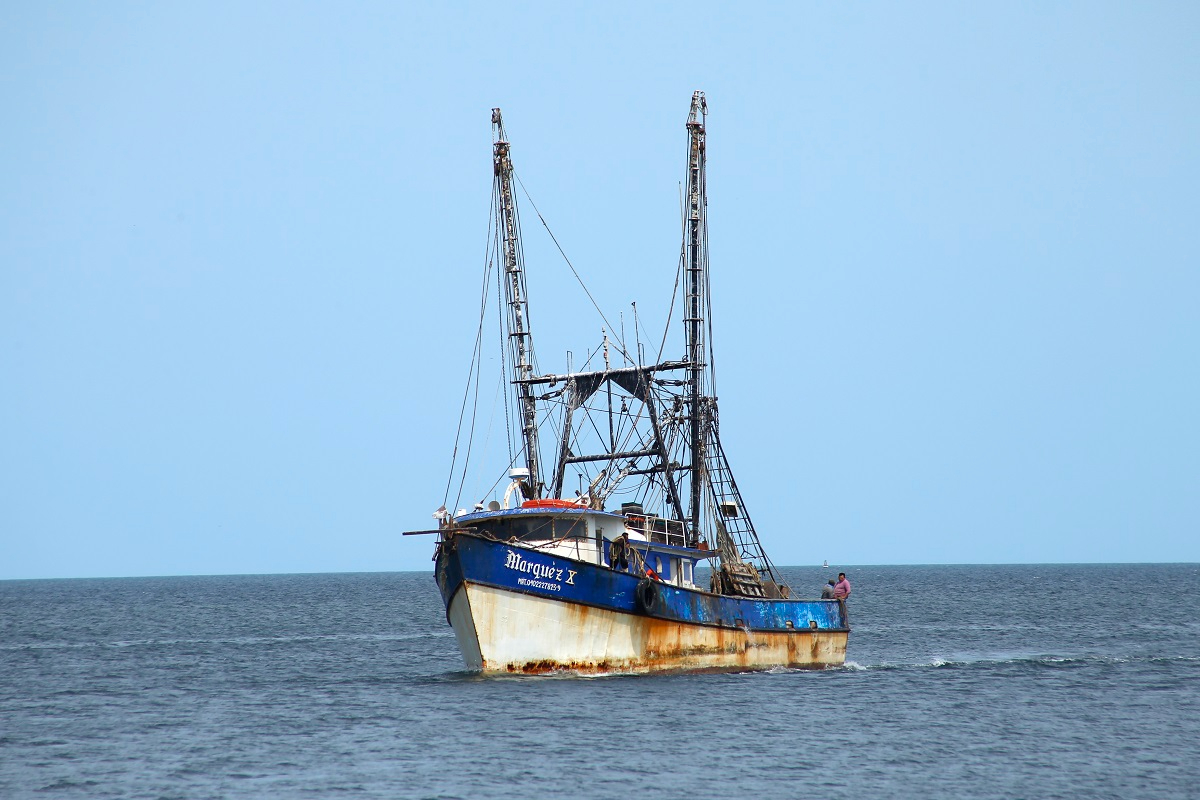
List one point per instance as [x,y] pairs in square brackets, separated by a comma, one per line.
[658,530]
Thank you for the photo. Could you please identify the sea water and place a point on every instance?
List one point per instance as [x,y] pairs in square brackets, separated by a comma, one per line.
[967,681]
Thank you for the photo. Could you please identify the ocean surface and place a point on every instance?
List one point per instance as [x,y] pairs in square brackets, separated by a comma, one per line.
[967,681]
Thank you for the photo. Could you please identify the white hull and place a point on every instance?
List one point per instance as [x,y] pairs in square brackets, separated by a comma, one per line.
[501,631]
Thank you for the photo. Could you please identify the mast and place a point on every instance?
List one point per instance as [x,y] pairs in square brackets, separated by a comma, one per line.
[518,309]
[743,561]
[694,306]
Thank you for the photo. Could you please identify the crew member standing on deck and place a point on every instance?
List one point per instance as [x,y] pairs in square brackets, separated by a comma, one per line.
[842,589]
[618,552]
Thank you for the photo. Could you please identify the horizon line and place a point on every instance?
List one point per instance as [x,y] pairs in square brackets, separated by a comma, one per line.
[425,572]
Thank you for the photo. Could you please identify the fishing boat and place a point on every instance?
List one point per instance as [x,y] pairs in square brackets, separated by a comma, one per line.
[653,564]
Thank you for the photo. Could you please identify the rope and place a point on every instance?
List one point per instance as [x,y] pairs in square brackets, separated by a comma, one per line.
[477,359]
[474,363]
[553,238]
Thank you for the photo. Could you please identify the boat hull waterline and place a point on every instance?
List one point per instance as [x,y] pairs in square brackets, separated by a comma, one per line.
[516,610]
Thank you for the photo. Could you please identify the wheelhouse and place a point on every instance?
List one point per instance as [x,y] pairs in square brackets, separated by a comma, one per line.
[586,535]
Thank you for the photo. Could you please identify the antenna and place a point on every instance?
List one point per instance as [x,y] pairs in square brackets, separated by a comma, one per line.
[637,336]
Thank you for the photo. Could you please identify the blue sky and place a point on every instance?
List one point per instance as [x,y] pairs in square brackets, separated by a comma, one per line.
[955,267]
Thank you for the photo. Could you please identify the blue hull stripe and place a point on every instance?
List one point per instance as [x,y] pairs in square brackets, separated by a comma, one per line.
[465,557]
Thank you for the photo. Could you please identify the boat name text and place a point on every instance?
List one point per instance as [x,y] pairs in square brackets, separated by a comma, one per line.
[519,564]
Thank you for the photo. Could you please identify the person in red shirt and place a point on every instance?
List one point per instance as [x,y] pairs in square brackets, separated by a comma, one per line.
[841,590]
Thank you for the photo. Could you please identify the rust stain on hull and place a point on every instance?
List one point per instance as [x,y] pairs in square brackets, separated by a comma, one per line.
[519,634]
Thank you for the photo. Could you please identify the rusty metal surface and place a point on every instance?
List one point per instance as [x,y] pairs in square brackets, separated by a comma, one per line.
[520,633]
[530,571]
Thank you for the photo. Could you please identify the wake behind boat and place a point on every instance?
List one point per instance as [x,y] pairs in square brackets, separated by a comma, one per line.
[537,582]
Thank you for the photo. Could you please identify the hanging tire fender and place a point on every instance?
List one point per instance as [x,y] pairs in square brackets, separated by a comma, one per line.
[646,595]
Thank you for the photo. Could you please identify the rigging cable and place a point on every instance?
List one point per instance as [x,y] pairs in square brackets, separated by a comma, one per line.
[508,424]
[671,308]
[513,460]
[475,358]
[487,437]
[712,357]
[569,264]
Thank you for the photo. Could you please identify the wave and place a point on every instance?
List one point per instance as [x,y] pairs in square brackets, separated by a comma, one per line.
[986,661]
[1034,659]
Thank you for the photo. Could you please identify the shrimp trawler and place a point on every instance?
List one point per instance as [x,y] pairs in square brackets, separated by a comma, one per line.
[606,579]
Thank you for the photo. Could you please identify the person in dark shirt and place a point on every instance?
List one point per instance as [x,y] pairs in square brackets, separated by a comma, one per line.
[827,590]
[618,552]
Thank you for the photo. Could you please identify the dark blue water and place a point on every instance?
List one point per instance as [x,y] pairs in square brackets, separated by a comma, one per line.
[1013,681]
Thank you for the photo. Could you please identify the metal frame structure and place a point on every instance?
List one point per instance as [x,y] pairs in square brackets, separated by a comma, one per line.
[682,441]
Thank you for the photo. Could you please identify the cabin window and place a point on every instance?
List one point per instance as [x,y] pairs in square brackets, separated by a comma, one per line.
[570,528]
[687,571]
[523,529]
[538,529]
